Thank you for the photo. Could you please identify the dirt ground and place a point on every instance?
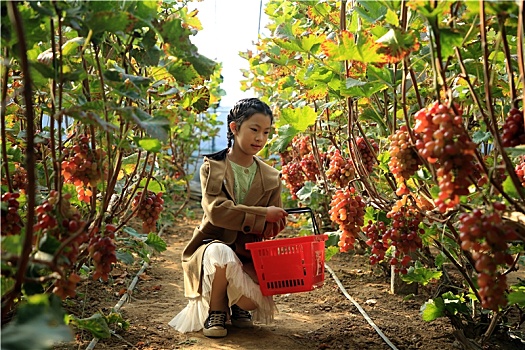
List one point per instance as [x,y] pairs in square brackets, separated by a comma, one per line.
[320,319]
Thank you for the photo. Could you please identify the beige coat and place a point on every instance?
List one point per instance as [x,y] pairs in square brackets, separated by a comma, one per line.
[226,221]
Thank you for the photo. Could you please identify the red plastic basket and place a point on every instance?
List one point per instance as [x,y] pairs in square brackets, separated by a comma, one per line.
[289,265]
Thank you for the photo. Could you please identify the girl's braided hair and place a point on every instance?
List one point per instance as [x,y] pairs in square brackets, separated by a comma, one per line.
[243,110]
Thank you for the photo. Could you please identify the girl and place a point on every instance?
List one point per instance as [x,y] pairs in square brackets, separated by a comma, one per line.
[241,199]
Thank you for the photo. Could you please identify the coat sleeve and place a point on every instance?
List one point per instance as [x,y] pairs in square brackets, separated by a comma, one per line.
[222,211]
[272,229]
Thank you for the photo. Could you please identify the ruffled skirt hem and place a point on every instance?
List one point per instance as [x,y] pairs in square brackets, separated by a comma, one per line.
[193,316]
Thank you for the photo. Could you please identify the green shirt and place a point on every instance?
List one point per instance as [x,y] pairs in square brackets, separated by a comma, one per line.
[243,180]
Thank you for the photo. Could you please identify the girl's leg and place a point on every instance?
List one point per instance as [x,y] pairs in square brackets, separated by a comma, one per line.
[218,297]
[246,304]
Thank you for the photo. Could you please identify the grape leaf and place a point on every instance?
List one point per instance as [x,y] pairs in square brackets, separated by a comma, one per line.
[96,324]
[364,50]
[155,242]
[420,274]
[433,309]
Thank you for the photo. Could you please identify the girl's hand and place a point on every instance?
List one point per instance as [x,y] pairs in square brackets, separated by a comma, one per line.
[274,214]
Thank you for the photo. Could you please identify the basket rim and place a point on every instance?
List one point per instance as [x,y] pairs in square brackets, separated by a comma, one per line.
[285,241]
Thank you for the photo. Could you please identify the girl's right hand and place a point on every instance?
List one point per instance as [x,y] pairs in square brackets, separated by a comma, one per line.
[274,214]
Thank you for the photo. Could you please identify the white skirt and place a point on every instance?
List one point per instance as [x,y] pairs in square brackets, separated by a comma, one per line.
[193,316]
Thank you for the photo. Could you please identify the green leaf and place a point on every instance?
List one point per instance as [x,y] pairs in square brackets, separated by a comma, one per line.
[150,145]
[49,244]
[155,242]
[125,256]
[509,188]
[330,252]
[119,76]
[371,11]
[12,244]
[87,116]
[364,50]
[96,324]
[299,118]
[153,186]
[157,127]
[285,135]
[392,18]
[517,296]
[355,88]
[433,309]
[450,39]
[480,136]
[42,317]
[516,151]
[420,274]
[71,45]
[110,21]
[6,284]
[132,232]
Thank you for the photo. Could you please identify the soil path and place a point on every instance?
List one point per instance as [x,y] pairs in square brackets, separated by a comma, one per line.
[320,319]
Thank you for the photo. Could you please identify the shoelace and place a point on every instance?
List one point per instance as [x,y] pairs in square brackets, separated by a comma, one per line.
[238,313]
[216,319]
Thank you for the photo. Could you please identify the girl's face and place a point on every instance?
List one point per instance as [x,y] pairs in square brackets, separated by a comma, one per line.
[252,134]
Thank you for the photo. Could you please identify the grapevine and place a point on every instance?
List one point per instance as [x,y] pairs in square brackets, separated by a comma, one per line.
[486,236]
[347,210]
[149,209]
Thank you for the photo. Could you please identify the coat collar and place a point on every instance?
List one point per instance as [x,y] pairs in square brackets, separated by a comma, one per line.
[268,177]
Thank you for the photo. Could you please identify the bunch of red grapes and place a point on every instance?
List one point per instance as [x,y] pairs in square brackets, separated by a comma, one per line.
[443,141]
[82,166]
[404,160]
[498,172]
[11,223]
[18,178]
[347,209]
[309,167]
[520,170]
[60,224]
[64,288]
[149,209]
[404,234]
[513,129]
[301,145]
[367,156]
[376,241]
[486,235]
[293,177]
[102,250]
[340,171]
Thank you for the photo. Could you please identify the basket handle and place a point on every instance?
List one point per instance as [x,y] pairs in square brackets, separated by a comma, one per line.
[305,210]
